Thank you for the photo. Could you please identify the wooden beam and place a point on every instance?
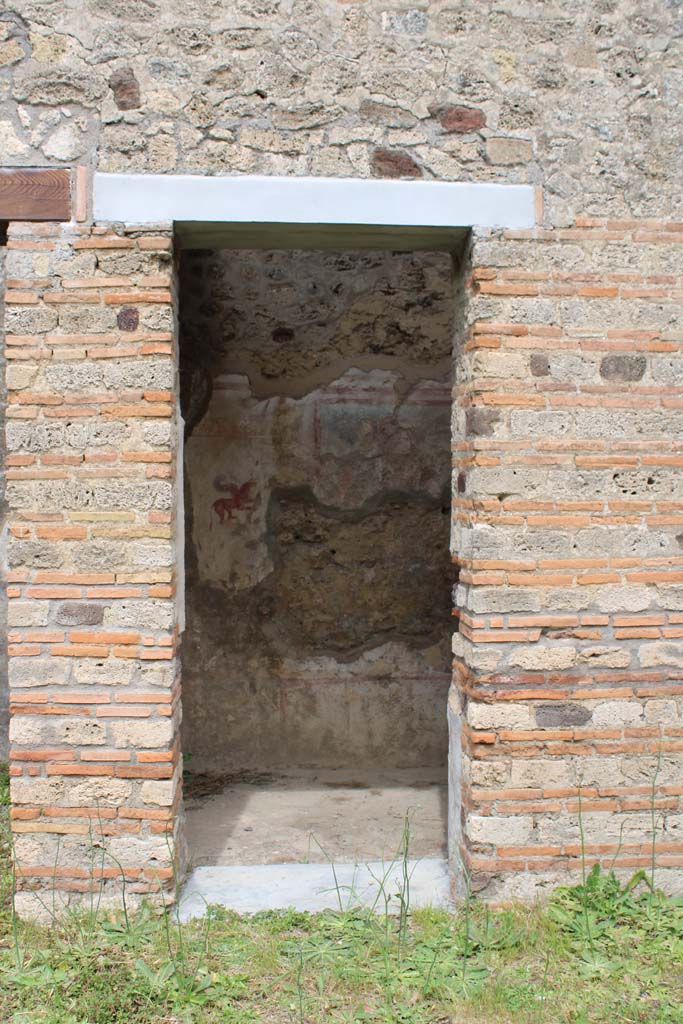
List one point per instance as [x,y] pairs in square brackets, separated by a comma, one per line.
[28,193]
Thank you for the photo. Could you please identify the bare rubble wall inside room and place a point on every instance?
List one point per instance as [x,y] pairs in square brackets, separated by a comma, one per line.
[316,392]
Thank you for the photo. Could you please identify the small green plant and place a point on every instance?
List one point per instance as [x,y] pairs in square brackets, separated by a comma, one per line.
[653,816]
[299,986]
[584,886]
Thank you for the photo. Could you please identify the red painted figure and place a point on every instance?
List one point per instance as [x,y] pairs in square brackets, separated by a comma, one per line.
[240,498]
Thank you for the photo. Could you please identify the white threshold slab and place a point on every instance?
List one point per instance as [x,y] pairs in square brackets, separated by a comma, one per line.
[271,200]
[313,887]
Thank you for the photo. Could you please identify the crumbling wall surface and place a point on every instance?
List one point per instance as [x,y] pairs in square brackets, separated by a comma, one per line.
[582,98]
[317,396]
[567,505]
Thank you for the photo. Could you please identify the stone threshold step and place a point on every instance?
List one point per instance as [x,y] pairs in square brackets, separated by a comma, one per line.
[248,889]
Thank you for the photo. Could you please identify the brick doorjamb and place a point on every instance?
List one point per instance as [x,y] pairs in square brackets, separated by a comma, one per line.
[92,432]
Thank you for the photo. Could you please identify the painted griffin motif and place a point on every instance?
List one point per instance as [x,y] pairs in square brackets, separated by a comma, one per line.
[239,498]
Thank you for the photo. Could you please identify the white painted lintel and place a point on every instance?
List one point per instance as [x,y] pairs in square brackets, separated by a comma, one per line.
[263,200]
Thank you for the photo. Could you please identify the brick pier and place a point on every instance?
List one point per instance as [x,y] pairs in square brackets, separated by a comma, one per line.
[91,479]
[568,447]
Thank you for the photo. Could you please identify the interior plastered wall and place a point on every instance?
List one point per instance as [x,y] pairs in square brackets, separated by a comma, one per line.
[317,398]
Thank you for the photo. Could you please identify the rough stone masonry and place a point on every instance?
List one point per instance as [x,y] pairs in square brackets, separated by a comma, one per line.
[567,404]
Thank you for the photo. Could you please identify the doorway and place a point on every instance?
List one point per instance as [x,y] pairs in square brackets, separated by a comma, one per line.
[316,393]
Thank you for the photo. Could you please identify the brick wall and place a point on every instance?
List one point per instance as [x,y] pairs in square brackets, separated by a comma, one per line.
[568,526]
[91,427]
[4,692]
[568,418]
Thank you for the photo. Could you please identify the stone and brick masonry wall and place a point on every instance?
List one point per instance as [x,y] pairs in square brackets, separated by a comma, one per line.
[91,431]
[567,415]
[568,527]
[568,419]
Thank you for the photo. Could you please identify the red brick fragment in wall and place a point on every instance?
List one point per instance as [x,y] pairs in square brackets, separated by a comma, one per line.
[126,89]
[459,119]
[394,163]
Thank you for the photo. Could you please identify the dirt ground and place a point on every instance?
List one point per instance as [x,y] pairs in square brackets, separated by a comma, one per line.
[313,816]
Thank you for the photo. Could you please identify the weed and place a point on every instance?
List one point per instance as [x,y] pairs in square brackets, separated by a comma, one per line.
[653,816]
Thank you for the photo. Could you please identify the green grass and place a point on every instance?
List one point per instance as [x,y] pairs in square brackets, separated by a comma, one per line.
[603,952]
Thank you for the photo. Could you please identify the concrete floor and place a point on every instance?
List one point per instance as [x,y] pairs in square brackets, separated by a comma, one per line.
[314,816]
